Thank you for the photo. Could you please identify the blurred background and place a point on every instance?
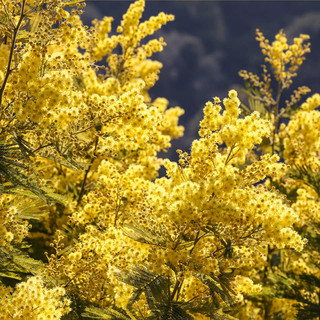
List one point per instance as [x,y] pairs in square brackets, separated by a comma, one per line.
[210,41]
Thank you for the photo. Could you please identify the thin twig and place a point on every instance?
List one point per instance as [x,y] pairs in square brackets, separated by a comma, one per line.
[276,116]
[140,310]
[117,208]
[175,289]
[229,157]
[196,240]
[42,146]
[86,174]
[81,131]
[15,33]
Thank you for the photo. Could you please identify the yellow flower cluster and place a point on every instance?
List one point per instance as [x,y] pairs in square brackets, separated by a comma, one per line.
[301,150]
[134,56]
[238,134]
[208,189]
[246,285]
[33,301]
[11,229]
[286,307]
[297,141]
[301,137]
[90,268]
[285,59]
[73,109]
[90,134]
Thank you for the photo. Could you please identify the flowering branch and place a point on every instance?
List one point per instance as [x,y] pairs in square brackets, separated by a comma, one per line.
[15,33]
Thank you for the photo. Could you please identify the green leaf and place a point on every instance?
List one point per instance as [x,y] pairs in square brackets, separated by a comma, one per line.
[10,275]
[71,3]
[67,162]
[35,21]
[256,105]
[23,36]
[32,209]
[220,288]
[106,314]
[28,264]
[140,234]
[47,194]
[16,264]
[154,286]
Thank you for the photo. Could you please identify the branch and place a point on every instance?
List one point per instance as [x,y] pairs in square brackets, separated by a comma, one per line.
[176,289]
[230,155]
[86,174]
[15,33]
[196,240]
[276,116]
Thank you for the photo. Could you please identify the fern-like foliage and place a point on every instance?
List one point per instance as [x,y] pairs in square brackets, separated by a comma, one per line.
[13,168]
[220,288]
[308,175]
[15,264]
[160,293]
[15,176]
[106,314]
[308,309]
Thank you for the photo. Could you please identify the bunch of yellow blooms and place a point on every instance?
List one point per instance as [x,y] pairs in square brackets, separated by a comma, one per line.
[88,230]
[290,278]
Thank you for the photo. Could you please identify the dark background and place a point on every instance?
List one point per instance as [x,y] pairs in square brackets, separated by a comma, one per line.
[210,41]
